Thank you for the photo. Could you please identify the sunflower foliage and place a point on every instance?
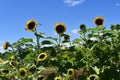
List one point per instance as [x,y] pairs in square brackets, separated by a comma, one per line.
[94,55]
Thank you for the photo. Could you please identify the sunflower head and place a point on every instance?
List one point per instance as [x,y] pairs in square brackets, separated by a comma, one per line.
[71,72]
[98,21]
[32,69]
[83,27]
[60,28]
[112,27]
[66,38]
[93,77]
[12,64]
[5,71]
[22,73]
[117,26]
[57,78]
[41,78]
[31,25]
[42,56]
[5,45]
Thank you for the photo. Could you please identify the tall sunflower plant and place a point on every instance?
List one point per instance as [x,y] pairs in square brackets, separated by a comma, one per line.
[94,55]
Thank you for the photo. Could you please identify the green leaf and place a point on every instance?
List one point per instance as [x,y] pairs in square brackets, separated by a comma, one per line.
[46,42]
[97,70]
[26,40]
[77,40]
[49,37]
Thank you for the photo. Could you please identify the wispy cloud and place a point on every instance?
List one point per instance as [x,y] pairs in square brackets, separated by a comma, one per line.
[75,31]
[73,2]
[117,4]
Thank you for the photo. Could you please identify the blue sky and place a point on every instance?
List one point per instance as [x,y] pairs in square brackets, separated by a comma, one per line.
[15,13]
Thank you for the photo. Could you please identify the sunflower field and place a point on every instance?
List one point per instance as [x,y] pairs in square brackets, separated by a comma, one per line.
[95,55]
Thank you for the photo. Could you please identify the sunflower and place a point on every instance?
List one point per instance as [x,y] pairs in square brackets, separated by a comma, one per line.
[60,28]
[42,57]
[5,71]
[32,69]
[112,27]
[66,38]
[83,27]
[99,21]
[57,78]
[31,25]
[71,72]
[22,73]
[5,45]
[93,77]
[12,64]
[41,78]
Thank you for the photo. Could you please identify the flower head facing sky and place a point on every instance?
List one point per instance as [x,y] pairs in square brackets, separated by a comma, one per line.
[57,78]
[31,25]
[99,21]
[60,28]
[42,56]
[71,72]
[93,77]
[22,73]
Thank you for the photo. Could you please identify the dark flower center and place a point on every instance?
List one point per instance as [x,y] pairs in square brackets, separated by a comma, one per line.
[60,29]
[22,73]
[92,77]
[13,64]
[99,21]
[32,70]
[40,78]
[83,27]
[42,56]
[70,72]
[66,37]
[31,25]
[5,71]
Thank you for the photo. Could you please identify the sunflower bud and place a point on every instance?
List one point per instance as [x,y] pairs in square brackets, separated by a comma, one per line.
[112,27]
[83,27]
[117,26]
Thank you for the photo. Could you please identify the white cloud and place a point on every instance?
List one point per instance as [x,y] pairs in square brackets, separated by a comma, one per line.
[117,4]
[73,2]
[75,31]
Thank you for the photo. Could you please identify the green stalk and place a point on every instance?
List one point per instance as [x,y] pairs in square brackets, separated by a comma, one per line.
[86,51]
[59,44]
[37,38]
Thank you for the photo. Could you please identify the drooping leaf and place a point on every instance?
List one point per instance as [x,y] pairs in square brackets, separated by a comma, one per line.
[77,40]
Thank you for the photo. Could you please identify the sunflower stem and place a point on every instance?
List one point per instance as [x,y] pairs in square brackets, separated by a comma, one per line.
[86,51]
[37,40]
[59,43]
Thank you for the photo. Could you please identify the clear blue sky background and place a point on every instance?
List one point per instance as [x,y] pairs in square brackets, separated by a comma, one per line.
[15,13]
